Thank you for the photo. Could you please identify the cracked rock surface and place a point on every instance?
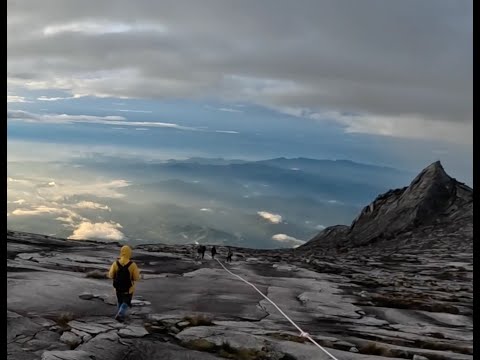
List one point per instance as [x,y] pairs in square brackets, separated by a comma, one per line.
[57,310]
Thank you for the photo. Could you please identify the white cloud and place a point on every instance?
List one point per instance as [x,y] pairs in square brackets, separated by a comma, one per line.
[402,127]
[39,210]
[113,120]
[290,240]
[97,231]
[406,126]
[227,131]
[230,110]
[135,111]
[106,189]
[224,109]
[19,151]
[70,220]
[21,181]
[206,209]
[45,98]
[64,215]
[91,205]
[273,218]
[19,201]
[60,118]
[101,27]
[104,120]
[16,99]
[320,227]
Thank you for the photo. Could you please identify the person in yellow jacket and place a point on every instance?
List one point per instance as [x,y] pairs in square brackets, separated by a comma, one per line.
[124,273]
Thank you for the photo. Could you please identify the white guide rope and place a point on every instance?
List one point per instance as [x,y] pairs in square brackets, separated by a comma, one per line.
[302,333]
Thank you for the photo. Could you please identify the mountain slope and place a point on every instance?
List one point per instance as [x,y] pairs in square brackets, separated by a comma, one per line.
[432,199]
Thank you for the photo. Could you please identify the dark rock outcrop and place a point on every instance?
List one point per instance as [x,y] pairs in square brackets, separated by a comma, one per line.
[432,199]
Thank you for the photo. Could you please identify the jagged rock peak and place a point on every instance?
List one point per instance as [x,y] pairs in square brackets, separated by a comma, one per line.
[434,173]
[427,196]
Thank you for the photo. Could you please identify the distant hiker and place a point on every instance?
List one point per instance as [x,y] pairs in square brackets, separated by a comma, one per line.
[229,255]
[124,273]
[214,251]
[201,251]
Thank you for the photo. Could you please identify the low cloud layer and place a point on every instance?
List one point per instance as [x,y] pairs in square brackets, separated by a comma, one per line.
[48,200]
[389,60]
[273,218]
[103,189]
[97,231]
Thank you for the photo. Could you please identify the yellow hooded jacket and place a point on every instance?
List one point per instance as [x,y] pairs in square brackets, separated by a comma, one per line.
[125,255]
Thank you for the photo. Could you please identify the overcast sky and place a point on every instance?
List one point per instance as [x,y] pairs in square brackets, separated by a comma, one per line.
[373,81]
[383,67]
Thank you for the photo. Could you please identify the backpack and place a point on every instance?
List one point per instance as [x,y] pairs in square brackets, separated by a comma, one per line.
[122,281]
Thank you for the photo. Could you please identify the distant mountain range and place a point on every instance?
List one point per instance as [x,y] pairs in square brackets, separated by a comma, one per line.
[340,180]
[221,201]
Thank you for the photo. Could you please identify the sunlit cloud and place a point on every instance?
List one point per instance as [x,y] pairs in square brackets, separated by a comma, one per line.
[63,214]
[290,240]
[97,231]
[273,218]
[91,205]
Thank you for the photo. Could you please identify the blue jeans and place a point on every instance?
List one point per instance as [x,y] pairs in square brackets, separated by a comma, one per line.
[124,301]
